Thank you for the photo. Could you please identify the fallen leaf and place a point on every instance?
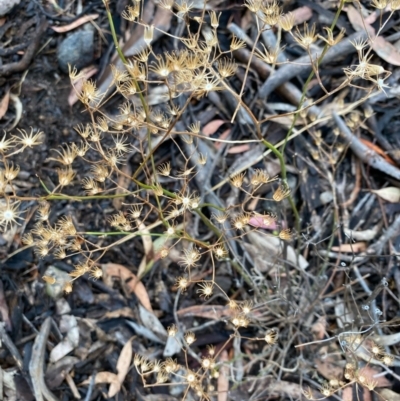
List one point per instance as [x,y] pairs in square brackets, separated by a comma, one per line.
[103,377]
[212,127]
[18,110]
[390,194]
[386,51]
[328,362]
[223,136]
[318,329]
[258,221]
[382,48]
[387,394]
[357,247]
[372,374]
[124,312]
[160,18]
[378,150]
[130,280]
[357,22]
[123,364]
[267,250]
[151,322]
[4,104]
[75,24]
[239,149]
[302,14]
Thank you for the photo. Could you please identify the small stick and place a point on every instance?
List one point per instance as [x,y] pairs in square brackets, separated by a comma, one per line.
[363,152]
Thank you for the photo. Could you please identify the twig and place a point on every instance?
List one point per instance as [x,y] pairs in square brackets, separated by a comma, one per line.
[23,64]
[391,232]
[91,387]
[363,152]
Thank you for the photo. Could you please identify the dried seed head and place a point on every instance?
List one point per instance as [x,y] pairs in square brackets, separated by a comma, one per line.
[253,5]
[286,234]
[237,180]
[164,169]
[202,159]
[387,359]
[271,337]
[237,44]
[287,21]
[182,283]
[282,192]
[172,331]
[307,38]
[206,289]
[68,287]
[246,307]
[148,34]
[220,252]
[190,338]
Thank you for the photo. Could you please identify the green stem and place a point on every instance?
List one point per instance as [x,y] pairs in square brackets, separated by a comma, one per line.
[281,159]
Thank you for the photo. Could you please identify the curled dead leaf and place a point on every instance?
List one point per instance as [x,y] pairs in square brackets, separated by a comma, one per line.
[390,194]
[130,280]
[123,364]
[4,104]
[103,378]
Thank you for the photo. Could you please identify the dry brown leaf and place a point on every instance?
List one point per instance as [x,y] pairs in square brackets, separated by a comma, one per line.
[223,136]
[212,127]
[160,18]
[223,378]
[382,48]
[130,280]
[239,149]
[390,194]
[103,377]
[328,363]
[4,104]
[125,312]
[357,247]
[386,51]
[18,110]
[389,395]
[302,14]
[357,22]
[123,364]
[318,329]
[347,394]
[75,24]
[371,374]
